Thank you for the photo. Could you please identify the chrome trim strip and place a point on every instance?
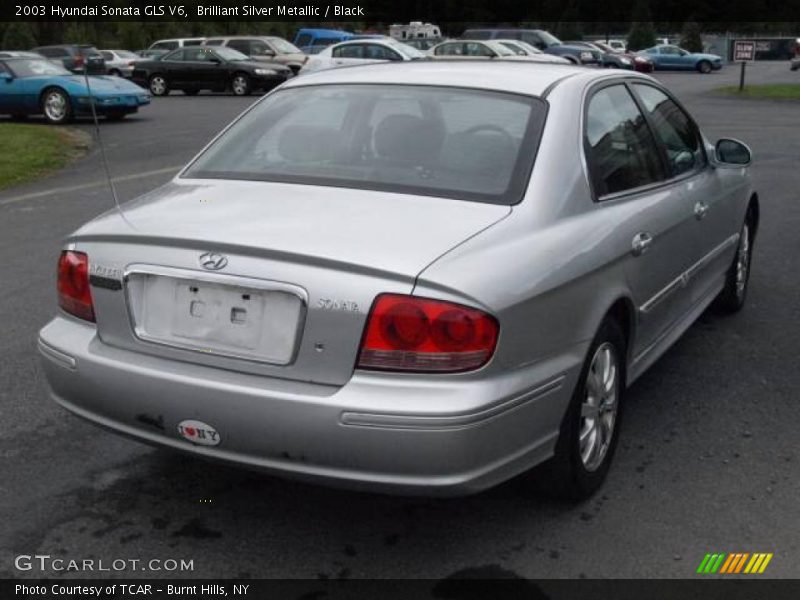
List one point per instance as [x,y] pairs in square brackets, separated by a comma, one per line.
[665,292]
[685,278]
[58,357]
[219,279]
[708,258]
[438,423]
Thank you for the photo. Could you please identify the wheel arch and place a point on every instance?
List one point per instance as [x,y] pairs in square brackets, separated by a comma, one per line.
[754,211]
[53,86]
[623,311]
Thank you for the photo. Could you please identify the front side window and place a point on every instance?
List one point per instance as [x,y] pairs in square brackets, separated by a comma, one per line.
[36,67]
[446,142]
[258,48]
[477,49]
[620,150]
[281,46]
[378,52]
[674,129]
[197,54]
[176,55]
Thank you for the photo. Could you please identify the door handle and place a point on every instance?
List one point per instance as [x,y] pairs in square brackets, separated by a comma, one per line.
[640,243]
[700,210]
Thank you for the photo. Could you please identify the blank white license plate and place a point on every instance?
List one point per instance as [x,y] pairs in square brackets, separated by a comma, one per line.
[586,56]
[229,320]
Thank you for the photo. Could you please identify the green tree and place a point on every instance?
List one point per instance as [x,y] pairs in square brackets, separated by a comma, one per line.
[18,36]
[690,38]
[642,33]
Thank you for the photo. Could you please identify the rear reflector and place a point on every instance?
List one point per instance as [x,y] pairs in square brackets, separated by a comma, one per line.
[74,295]
[406,333]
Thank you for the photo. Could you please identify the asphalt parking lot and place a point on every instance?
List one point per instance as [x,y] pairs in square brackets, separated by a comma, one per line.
[708,459]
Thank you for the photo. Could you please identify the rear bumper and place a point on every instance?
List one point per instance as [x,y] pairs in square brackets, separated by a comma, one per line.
[446,436]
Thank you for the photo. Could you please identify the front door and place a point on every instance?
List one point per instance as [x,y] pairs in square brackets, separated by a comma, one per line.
[651,218]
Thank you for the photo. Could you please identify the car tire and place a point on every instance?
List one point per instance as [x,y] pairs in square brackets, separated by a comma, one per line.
[590,428]
[116,116]
[158,85]
[704,67]
[115,72]
[56,106]
[732,297]
[240,84]
[191,92]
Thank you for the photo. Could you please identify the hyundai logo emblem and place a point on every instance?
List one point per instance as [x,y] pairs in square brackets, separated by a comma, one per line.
[213,261]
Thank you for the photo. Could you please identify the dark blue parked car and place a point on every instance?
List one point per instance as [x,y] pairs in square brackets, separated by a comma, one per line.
[667,57]
[34,86]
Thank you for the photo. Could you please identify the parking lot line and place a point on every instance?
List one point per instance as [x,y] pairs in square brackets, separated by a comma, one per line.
[91,184]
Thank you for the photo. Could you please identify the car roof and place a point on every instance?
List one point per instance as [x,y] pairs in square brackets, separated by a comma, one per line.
[322,30]
[532,79]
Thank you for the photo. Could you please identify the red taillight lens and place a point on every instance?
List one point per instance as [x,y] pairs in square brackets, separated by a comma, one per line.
[79,60]
[405,333]
[74,295]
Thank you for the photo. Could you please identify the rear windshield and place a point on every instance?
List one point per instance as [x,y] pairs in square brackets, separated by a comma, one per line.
[436,141]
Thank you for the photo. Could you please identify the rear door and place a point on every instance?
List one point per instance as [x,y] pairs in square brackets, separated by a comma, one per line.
[653,218]
[348,54]
[175,68]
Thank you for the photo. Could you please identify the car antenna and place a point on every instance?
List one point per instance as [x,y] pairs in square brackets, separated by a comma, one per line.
[102,147]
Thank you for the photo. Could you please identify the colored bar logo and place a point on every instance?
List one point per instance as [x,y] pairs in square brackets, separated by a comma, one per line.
[734,563]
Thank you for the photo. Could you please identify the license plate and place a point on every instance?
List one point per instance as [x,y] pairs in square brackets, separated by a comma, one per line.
[586,56]
[230,320]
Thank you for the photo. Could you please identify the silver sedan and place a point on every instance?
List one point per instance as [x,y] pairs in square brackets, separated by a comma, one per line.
[415,278]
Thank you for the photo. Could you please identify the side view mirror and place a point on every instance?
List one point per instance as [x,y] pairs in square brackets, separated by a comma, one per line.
[268,53]
[732,152]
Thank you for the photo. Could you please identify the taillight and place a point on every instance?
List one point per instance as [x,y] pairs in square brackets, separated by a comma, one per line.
[406,333]
[79,60]
[74,295]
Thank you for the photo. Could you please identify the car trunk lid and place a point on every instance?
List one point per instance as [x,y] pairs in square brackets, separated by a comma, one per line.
[268,278]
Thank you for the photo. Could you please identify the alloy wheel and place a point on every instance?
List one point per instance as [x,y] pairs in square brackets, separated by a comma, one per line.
[55,106]
[743,261]
[599,407]
[158,86]
[239,85]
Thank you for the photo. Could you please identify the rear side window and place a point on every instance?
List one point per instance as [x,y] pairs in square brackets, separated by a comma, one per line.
[107,56]
[53,52]
[620,149]
[165,46]
[425,140]
[349,51]
[192,42]
[214,42]
[674,129]
[242,46]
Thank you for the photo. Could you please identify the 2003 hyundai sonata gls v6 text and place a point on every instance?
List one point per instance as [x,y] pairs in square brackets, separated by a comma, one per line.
[420,277]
